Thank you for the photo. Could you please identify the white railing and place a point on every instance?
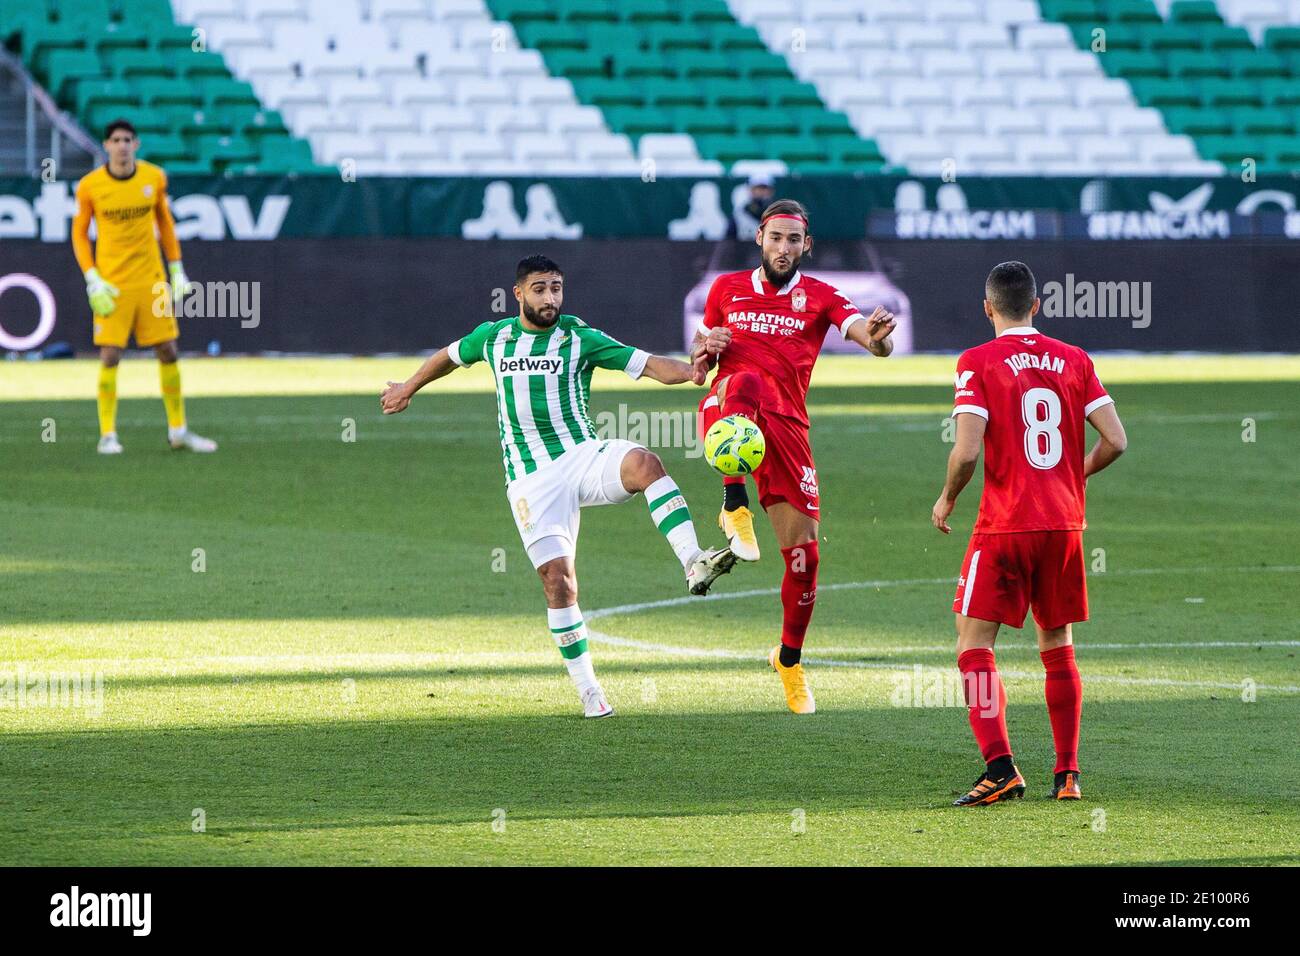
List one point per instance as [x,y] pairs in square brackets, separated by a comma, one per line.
[62,127]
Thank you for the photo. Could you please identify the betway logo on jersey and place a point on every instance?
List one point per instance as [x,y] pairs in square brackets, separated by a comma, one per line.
[767,323]
[530,365]
[1024,360]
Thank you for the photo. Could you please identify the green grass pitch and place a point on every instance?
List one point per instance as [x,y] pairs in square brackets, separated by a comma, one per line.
[363,674]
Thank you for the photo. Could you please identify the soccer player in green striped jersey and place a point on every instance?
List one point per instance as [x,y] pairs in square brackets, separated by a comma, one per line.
[554,461]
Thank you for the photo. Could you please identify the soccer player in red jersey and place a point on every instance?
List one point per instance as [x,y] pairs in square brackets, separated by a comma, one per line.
[765,329]
[1024,396]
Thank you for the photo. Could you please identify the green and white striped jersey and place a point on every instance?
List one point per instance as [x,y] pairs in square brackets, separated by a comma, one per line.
[543,382]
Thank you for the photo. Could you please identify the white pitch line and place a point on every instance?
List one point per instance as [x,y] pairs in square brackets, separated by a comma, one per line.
[611,639]
[906,582]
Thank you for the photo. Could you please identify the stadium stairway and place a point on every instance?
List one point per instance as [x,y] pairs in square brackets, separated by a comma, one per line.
[683,77]
[102,59]
[1226,75]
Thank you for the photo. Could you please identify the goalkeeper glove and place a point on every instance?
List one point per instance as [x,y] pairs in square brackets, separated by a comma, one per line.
[102,295]
[181,285]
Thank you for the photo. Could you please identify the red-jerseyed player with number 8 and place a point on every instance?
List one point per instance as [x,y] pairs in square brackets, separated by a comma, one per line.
[764,329]
[1024,396]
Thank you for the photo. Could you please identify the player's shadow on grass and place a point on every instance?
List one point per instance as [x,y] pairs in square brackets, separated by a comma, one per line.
[345,774]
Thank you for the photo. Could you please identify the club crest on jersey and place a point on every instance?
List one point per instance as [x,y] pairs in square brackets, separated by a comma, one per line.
[798,299]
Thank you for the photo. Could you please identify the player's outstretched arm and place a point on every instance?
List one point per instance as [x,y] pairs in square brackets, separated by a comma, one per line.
[873,334]
[961,467]
[670,371]
[398,395]
[1111,443]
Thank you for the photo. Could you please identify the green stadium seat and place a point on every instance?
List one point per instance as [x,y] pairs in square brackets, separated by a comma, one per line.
[189,122]
[735,36]
[1194,11]
[146,121]
[1226,94]
[794,149]
[1118,36]
[523,11]
[704,122]
[164,148]
[194,65]
[162,92]
[40,42]
[93,93]
[188,167]
[732,93]
[172,36]
[292,153]
[1223,39]
[1257,64]
[1286,152]
[84,13]
[117,37]
[642,63]
[1230,150]
[1282,39]
[1161,37]
[547,36]
[1133,65]
[613,38]
[252,121]
[1263,121]
[705,11]
[587,11]
[577,64]
[1132,11]
[1189,65]
[825,124]
[1162,93]
[792,94]
[674,93]
[1197,122]
[132,64]
[148,15]
[761,64]
[861,152]
[636,121]
[732,149]
[228,150]
[1276,92]
[606,92]
[648,11]
[760,121]
[1072,11]
[675,37]
[69,67]
[227,92]
[698,65]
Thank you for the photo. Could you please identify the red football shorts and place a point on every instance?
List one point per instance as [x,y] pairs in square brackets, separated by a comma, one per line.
[1003,575]
[788,472]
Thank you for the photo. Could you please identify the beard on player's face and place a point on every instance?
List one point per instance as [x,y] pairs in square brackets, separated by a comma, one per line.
[544,316]
[780,268]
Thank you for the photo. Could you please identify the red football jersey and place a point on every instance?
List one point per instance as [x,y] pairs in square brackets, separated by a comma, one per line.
[777,333]
[1035,392]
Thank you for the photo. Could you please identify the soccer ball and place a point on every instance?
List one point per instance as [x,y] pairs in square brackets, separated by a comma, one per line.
[734,445]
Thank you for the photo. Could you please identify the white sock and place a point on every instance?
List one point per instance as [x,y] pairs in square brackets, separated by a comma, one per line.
[673,519]
[570,635]
[174,433]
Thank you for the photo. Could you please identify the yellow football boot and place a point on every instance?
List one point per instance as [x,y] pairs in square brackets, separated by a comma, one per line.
[738,526]
[797,692]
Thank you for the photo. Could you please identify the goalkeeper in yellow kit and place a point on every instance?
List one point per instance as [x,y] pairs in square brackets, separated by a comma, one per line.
[128,290]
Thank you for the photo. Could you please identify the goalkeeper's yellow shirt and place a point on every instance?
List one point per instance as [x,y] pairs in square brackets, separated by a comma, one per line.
[131,216]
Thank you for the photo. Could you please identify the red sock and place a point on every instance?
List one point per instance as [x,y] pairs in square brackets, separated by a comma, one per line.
[798,592]
[986,701]
[1064,692]
[742,395]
